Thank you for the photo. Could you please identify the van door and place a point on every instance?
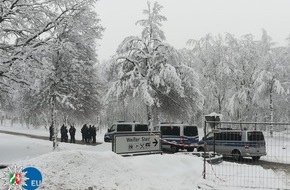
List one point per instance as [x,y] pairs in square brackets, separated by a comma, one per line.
[256,141]
[209,141]
[170,137]
[191,134]
[218,142]
[109,135]
[228,141]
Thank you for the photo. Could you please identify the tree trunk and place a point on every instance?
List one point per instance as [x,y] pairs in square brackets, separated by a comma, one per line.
[256,118]
[53,123]
[271,114]
[155,117]
[239,116]
[149,116]
[220,105]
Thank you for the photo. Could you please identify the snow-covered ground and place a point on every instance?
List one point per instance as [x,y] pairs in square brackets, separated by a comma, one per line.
[97,167]
[278,148]
[81,167]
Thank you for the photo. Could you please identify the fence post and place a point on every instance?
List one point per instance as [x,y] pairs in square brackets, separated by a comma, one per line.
[204,156]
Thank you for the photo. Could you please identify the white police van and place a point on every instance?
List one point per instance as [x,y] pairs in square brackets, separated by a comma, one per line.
[176,136]
[122,126]
[235,143]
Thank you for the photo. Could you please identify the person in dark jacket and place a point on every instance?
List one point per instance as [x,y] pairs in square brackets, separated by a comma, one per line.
[86,133]
[90,133]
[51,129]
[83,131]
[94,133]
[63,133]
[72,132]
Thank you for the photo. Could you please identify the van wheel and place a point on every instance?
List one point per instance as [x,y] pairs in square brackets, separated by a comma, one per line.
[236,155]
[200,149]
[174,149]
[256,158]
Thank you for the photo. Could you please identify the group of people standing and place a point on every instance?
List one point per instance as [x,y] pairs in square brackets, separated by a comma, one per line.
[89,133]
[64,135]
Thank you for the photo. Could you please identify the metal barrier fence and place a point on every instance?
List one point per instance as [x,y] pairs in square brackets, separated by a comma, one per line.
[256,155]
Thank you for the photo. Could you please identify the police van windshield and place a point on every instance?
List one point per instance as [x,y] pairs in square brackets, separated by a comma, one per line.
[190,131]
[124,127]
[141,127]
[255,136]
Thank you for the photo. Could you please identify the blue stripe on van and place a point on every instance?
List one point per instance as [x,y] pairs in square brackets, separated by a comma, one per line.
[235,143]
[179,139]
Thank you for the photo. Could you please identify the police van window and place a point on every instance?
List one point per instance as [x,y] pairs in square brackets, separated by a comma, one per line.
[170,130]
[190,131]
[141,127]
[233,136]
[113,128]
[124,127]
[221,136]
[218,136]
[228,136]
[165,130]
[255,136]
[210,136]
[175,130]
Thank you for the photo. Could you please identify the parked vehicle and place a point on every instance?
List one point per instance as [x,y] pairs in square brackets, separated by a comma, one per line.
[178,136]
[124,127]
[235,143]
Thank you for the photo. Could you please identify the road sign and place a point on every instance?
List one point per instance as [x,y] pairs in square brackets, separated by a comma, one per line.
[136,142]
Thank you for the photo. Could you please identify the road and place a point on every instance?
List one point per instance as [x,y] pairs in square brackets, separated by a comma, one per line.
[45,138]
[263,163]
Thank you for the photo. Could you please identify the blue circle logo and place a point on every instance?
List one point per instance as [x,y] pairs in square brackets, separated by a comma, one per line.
[34,178]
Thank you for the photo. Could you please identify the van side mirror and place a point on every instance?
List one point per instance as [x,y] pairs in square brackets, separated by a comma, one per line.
[109,130]
[203,138]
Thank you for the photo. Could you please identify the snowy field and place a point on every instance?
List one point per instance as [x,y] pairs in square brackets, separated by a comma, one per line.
[98,168]
[278,148]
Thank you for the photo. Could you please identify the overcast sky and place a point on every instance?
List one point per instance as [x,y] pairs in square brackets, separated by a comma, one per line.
[193,19]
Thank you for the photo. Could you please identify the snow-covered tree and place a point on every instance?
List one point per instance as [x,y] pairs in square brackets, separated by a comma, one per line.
[243,59]
[212,55]
[151,69]
[67,87]
[26,27]
[268,79]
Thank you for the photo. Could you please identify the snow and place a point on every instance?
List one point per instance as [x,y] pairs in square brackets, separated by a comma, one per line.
[14,148]
[278,147]
[111,171]
[214,114]
[76,166]
[98,167]
[232,174]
